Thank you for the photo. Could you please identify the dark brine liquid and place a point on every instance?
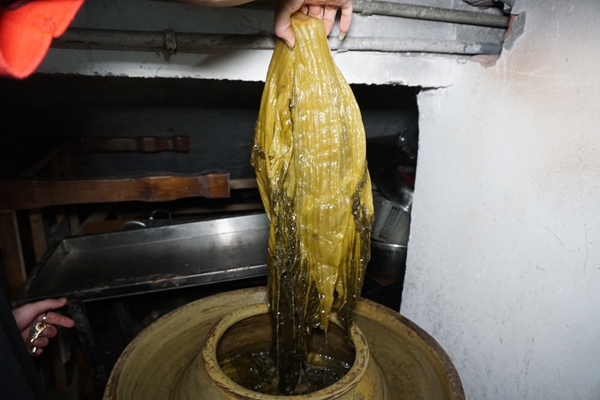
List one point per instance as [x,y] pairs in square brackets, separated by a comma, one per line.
[258,372]
[246,355]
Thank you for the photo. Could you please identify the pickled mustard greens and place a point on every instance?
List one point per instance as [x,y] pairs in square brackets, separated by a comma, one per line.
[258,372]
[309,155]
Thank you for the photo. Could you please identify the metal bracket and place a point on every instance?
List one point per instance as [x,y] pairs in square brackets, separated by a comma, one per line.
[170,41]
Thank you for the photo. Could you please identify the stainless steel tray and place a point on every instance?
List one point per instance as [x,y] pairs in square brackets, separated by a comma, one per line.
[130,262]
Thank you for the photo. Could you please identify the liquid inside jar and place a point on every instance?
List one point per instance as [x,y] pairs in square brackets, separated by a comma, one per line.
[246,356]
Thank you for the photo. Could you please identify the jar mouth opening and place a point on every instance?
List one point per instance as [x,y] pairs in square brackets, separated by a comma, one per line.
[221,342]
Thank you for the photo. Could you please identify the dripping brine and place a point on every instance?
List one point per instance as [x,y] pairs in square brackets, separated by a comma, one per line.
[309,154]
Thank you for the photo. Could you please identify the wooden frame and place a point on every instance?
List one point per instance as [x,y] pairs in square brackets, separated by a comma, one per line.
[35,194]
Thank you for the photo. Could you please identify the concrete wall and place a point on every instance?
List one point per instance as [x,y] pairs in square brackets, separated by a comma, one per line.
[504,256]
[247,65]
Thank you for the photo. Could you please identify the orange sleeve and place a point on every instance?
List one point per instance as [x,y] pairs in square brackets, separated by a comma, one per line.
[26,33]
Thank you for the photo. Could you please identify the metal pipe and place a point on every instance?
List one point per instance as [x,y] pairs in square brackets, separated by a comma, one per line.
[393,9]
[369,7]
[414,45]
[109,37]
[192,42]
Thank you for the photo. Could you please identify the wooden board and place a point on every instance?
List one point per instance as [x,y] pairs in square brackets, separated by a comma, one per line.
[30,194]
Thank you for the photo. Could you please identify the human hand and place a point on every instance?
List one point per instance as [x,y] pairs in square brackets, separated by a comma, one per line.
[321,9]
[29,314]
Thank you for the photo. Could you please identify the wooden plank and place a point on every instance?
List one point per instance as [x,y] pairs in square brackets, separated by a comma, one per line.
[236,184]
[66,166]
[60,214]
[12,253]
[38,233]
[146,144]
[66,171]
[98,215]
[55,168]
[73,219]
[31,194]
[58,368]
[38,166]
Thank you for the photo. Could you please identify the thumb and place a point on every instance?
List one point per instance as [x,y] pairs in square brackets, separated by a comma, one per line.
[284,30]
[283,15]
[289,38]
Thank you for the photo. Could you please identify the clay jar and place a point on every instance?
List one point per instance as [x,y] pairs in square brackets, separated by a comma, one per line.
[176,357]
[252,332]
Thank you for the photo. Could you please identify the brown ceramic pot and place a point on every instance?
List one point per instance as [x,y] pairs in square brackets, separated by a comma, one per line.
[176,357]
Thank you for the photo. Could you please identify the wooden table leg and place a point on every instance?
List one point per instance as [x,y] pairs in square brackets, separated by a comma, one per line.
[38,233]
[88,343]
[12,254]
[58,369]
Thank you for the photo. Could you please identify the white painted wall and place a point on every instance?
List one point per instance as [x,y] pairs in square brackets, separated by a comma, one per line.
[504,256]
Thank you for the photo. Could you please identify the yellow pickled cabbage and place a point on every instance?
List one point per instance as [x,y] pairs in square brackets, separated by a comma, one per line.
[309,154]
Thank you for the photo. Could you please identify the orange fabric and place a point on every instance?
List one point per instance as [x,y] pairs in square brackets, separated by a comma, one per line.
[26,33]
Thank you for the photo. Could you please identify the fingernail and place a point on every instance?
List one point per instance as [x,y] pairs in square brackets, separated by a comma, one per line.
[342,36]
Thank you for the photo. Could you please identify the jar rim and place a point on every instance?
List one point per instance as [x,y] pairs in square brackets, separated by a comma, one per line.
[342,386]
